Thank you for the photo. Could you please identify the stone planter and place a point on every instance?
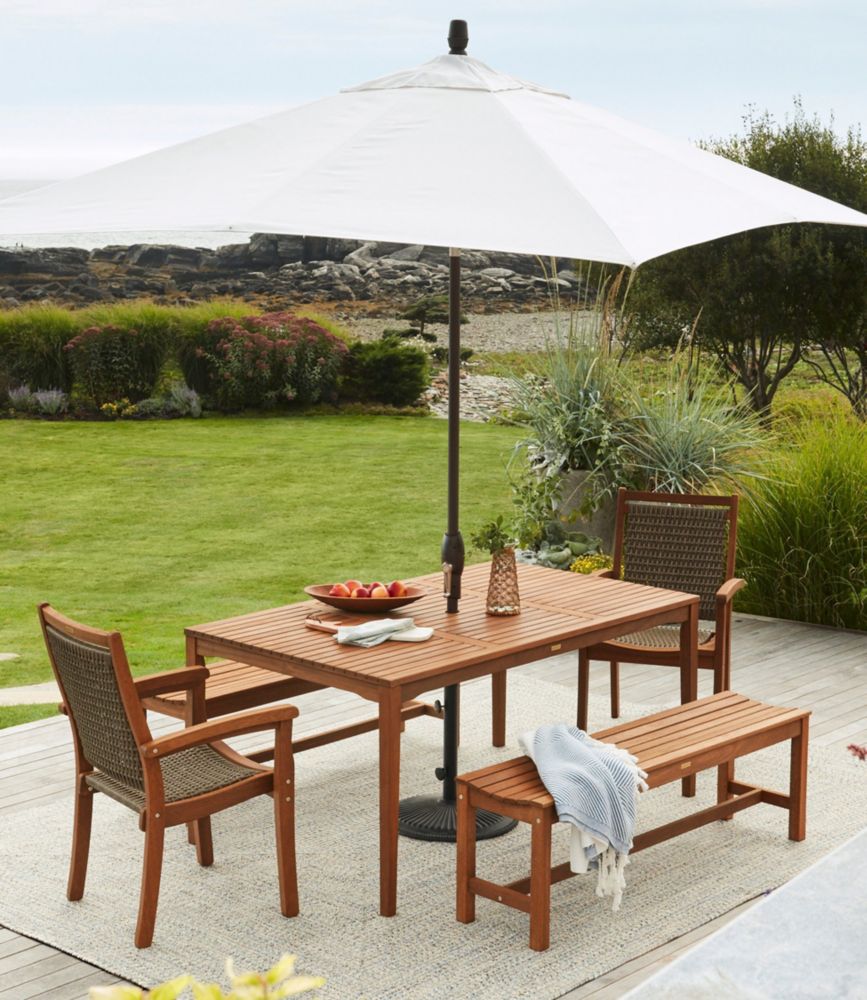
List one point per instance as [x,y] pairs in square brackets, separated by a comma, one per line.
[601,521]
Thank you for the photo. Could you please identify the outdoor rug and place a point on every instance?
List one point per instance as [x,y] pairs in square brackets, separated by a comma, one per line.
[231,909]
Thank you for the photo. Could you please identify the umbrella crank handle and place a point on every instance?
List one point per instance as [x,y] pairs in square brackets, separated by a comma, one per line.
[447,579]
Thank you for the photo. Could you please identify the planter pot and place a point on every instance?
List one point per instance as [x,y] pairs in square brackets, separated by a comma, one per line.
[601,521]
[503,598]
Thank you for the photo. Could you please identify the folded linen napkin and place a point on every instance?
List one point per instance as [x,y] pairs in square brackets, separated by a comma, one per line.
[595,787]
[373,633]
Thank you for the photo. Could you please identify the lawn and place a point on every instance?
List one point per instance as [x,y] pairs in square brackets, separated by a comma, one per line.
[148,527]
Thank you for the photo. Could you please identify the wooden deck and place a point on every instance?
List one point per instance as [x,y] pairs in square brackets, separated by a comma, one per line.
[780,662]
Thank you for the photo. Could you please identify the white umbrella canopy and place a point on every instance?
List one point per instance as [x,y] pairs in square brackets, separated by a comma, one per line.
[452,153]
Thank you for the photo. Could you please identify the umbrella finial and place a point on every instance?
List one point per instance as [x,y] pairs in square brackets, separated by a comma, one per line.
[458,38]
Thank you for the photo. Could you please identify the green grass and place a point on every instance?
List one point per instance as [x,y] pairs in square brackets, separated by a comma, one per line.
[149,527]
[17,715]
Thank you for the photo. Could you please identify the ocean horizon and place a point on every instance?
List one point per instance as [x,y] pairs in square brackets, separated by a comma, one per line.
[9,187]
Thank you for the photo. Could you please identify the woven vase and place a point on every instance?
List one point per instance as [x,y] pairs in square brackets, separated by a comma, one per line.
[503,597]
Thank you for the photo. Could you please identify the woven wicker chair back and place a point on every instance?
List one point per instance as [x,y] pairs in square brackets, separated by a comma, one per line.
[89,682]
[678,547]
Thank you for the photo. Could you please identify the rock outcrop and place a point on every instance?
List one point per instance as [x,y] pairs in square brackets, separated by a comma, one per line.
[275,271]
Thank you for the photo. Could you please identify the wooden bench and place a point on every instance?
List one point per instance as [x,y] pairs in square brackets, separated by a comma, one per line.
[710,732]
[234,687]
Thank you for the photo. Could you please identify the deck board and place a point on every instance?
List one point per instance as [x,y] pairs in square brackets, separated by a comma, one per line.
[784,663]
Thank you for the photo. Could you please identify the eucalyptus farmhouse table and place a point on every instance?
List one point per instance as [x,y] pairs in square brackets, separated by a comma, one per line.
[560,612]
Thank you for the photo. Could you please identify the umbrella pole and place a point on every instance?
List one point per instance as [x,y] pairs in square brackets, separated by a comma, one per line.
[453,543]
[434,817]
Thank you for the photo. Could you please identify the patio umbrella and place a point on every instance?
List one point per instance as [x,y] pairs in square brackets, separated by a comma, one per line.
[451,153]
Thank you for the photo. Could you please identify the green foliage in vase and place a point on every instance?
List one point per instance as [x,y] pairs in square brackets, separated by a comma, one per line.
[493,537]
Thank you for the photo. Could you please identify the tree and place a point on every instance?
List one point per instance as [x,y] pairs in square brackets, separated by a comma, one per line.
[766,297]
[428,309]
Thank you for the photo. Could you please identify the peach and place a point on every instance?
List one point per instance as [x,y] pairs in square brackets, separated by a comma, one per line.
[353,585]
[339,590]
[397,588]
[379,591]
[360,592]
[372,586]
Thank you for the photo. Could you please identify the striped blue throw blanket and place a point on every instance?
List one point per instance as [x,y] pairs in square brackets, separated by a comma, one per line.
[595,787]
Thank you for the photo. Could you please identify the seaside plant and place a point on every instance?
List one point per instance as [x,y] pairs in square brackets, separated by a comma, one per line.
[271,359]
[112,363]
[688,434]
[385,371]
[50,402]
[32,342]
[802,535]
[21,399]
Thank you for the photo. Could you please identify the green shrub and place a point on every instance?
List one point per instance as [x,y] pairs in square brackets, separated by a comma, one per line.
[32,342]
[274,358]
[385,371]
[112,363]
[802,538]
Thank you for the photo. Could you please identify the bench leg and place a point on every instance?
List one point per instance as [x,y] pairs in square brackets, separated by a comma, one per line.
[466,863]
[615,690]
[689,675]
[798,784]
[724,774]
[540,884]
[583,687]
[498,709]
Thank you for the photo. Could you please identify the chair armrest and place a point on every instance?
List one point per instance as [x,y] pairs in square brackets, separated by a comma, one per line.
[607,574]
[218,729]
[170,680]
[728,590]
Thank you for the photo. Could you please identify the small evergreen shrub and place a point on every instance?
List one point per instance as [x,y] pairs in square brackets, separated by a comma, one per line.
[385,371]
[272,359]
[112,363]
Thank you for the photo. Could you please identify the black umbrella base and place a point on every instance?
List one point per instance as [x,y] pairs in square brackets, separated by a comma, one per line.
[426,817]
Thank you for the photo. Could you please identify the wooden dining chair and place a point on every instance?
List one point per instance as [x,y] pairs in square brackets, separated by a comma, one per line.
[183,777]
[678,542]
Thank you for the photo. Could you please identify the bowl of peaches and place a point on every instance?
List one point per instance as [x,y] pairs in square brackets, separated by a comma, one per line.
[353,595]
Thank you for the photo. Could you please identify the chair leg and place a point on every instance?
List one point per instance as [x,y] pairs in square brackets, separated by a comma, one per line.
[150,881]
[203,841]
[284,824]
[540,884]
[466,861]
[615,690]
[583,687]
[80,840]
[498,709]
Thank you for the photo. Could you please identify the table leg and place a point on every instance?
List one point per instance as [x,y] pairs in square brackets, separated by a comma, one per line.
[498,709]
[689,673]
[389,798]
[193,658]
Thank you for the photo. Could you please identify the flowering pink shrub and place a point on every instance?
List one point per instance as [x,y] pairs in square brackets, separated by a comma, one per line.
[272,359]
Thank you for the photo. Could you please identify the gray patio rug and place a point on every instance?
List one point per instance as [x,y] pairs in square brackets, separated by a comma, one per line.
[231,909]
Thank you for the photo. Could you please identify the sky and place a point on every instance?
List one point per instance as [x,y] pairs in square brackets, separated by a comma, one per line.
[87,83]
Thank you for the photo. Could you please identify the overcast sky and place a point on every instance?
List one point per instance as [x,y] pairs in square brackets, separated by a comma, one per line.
[90,82]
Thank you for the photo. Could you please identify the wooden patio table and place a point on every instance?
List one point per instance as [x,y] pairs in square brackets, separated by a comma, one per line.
[560,612]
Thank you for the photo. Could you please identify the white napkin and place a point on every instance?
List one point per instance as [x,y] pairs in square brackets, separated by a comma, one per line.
[373,633]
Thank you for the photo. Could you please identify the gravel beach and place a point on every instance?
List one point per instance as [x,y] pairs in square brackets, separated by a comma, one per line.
[506,331]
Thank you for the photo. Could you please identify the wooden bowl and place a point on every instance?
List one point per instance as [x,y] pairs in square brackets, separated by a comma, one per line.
[364,605]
